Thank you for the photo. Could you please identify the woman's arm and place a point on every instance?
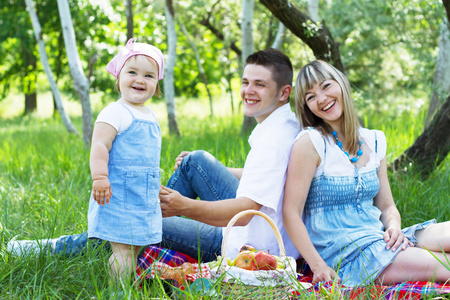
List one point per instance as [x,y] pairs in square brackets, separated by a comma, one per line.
[390,217]
[303,163]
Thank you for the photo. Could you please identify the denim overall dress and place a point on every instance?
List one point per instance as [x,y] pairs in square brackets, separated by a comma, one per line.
[133,216]
[345,226]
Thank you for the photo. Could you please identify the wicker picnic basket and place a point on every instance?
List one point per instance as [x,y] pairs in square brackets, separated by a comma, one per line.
[278,277]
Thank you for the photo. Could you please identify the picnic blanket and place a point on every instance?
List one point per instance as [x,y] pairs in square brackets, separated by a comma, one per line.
[410,290]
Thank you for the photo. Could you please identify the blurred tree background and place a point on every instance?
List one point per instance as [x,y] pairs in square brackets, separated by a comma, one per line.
[388,48]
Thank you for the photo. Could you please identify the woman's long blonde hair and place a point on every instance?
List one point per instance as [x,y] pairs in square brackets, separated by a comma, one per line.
[316,72]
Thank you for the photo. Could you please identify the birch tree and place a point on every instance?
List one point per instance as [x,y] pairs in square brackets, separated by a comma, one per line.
[278,41]
[313,10]
[169,86]
[45,64]
[247,49]
[441,85]
[76,70]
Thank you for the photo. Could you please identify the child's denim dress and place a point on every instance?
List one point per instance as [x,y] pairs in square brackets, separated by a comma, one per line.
[345,226]
[133,216]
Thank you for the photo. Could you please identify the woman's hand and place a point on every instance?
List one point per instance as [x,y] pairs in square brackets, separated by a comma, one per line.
[179,159]
[395,238]
[325,273]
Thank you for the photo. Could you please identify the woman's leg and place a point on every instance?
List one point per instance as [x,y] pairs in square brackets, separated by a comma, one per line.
[435,237]
[421,263]
[123,260]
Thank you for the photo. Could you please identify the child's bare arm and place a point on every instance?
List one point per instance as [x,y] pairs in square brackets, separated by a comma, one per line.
[102,138]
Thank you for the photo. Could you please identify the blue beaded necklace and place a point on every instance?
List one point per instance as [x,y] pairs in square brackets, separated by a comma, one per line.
[339,143]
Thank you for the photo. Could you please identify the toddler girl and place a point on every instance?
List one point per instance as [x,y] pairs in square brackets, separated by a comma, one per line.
[124,161]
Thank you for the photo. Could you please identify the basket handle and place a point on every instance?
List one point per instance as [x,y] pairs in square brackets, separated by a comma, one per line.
[252,212]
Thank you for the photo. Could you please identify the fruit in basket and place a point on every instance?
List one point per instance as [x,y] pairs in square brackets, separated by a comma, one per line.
[244,260]
[247,247]
[280,263]
[263,261]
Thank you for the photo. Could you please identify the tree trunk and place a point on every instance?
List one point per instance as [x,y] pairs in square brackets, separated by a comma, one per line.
[431,147]
[278,42]
[313,10]
[316,36]
[247,49]
[129,14]
[30,101]
[169,86]
[44,60]
[76,70]
[29,82]
[441,84]
[447,8]
[201,70]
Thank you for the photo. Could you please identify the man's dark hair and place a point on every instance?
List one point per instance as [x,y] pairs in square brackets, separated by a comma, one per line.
[277,61]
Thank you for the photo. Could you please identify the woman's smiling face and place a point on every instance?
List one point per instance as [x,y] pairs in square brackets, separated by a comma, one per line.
[324,100]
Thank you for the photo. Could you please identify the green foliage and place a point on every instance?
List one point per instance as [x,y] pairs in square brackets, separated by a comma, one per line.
[385,45]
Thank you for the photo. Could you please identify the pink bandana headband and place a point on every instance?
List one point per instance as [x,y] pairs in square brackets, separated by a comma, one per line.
[132,48]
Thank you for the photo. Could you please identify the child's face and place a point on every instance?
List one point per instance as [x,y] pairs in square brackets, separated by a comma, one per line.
[138,80]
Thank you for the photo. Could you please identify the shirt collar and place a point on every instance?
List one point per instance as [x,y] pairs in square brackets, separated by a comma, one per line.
[282,113]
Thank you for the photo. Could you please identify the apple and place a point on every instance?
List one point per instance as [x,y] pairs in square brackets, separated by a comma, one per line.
[247,247]
[263,261]
[280,263]
[244,260]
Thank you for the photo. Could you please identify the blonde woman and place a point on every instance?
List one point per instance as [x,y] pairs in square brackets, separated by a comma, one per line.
[338,208]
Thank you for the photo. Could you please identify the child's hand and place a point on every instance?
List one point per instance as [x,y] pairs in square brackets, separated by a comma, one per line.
[101,190]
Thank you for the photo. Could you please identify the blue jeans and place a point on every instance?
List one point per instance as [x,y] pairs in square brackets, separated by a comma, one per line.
[199,175]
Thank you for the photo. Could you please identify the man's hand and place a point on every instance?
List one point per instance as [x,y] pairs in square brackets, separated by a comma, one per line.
[395,238]
[179,159]
[171,202]
[101,191]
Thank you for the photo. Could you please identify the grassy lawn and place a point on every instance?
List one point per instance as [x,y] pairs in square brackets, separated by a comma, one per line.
[45,186]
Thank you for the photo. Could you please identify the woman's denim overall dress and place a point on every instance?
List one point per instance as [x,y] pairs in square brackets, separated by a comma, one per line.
[133,216]
[345,226]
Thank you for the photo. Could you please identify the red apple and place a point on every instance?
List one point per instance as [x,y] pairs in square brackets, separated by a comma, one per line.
[264,261]
[244,260]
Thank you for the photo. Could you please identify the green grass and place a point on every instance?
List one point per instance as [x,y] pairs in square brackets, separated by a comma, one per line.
[45,185]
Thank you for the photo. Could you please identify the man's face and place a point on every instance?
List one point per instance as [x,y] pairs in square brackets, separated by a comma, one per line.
[259,93]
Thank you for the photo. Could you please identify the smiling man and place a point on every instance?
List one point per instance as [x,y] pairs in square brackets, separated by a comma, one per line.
[265,89]
[224,192]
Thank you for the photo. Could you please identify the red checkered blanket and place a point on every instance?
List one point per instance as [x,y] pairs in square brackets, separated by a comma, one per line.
[404,290]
